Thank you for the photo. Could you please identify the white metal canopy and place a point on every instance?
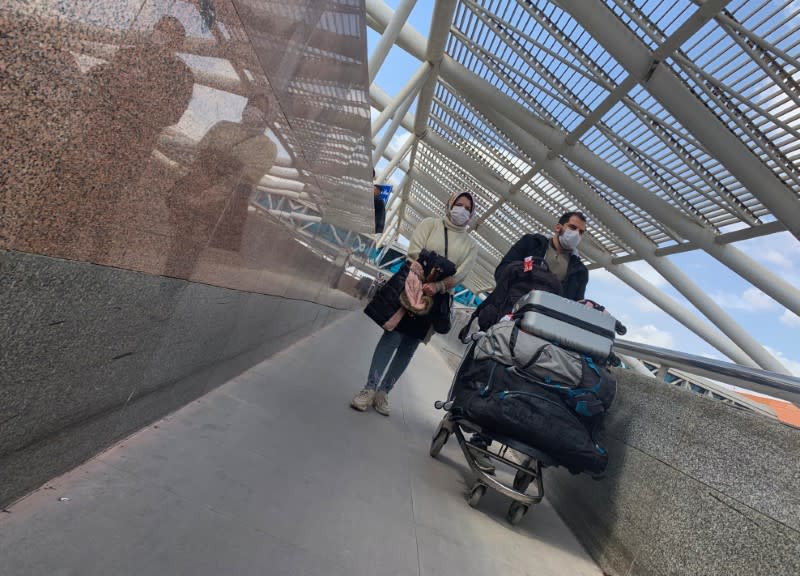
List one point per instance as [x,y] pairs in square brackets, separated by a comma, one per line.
[674,125]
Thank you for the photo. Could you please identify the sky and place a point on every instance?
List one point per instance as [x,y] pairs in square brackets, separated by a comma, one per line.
[777,329]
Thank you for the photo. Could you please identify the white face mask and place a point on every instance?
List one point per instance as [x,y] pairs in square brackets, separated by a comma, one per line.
[569,239]
[459,215]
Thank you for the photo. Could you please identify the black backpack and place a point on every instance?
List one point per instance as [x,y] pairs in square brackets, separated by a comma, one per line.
[517,279]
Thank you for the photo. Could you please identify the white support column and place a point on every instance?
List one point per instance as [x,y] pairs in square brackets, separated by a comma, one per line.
[391,153]
[441,20]
[389,225]
[636,365]
[389,36]
[398,197]
[408,39]
[666,87]
[386,173]
[394,212]
[410,87]
[389,133]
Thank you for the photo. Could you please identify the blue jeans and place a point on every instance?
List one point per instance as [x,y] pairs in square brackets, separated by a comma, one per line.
[403,348]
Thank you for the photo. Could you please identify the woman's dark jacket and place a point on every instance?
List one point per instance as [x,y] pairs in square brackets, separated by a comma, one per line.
[387,300]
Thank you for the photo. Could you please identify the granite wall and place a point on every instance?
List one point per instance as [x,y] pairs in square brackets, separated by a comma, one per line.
[694,486]
[138,265]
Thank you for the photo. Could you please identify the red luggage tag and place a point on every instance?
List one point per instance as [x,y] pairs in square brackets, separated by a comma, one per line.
[528,264]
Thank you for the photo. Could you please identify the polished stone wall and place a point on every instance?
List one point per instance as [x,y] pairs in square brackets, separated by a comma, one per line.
[694,486]
[139,264]
[137,133]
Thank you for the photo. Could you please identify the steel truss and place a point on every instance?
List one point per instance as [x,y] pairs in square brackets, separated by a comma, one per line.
[635,116]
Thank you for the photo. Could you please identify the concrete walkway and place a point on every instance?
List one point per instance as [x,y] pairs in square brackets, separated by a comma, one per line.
[273,474]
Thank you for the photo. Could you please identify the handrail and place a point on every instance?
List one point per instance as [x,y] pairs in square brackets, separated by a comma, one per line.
[762,381]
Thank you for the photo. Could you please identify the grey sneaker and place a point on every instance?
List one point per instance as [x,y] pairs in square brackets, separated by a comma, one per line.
[381,403]
[363,399]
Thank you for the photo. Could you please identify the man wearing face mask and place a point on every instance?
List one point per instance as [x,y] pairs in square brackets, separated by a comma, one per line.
[559,252]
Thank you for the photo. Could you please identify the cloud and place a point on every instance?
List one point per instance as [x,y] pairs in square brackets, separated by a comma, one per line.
[790,319]
[792,365]
[604,276]
[750,300]
[778,258]
[644,305]
[781,249]
[647,272]
[399,139]
[650,334]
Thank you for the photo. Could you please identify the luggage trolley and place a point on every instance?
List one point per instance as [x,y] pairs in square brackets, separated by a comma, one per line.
[527,473]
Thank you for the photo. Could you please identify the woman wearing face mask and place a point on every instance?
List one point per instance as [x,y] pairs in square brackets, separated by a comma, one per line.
[400,339]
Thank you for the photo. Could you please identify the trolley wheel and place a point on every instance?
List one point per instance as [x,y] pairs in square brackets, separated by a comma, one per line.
[521,481]
[516,512]
[476,494]
[438,442]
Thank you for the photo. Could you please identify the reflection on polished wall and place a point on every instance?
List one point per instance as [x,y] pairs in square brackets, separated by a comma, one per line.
[138,134]
[178,181]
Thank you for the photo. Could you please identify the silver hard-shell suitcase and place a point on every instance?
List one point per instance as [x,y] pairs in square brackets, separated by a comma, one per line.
[568,323]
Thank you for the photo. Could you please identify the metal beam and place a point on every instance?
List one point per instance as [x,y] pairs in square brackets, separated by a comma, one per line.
[407,90]
[491,99]
[666,87]
[396,160]
[388,37]
[392,129]
[440,28]
[680,313]
[748,268]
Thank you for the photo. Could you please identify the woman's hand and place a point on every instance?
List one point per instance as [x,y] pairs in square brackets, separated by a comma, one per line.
[429,289]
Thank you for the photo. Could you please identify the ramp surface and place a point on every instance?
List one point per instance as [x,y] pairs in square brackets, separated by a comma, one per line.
[274,474]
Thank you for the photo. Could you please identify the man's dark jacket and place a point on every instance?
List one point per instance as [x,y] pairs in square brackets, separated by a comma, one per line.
[574,284]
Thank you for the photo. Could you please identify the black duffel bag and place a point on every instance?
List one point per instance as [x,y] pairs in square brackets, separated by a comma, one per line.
[500,401]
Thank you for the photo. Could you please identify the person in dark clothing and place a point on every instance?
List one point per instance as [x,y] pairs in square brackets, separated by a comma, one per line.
[559,251]
[380,209]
